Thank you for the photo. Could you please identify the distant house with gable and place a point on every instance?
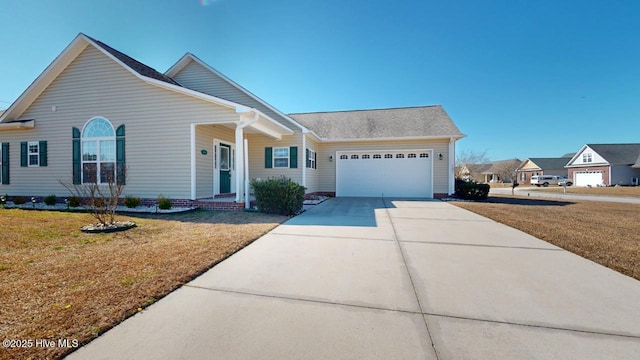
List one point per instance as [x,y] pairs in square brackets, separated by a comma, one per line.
[605,165]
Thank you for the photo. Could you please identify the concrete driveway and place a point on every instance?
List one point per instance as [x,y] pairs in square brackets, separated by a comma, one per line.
[384,279]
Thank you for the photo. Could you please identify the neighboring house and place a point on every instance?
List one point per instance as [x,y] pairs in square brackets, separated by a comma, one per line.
[492,172]
[605,165]
[542,166]
[192,134]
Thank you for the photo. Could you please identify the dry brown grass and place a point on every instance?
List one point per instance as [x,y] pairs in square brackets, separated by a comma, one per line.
[631,191]
[606,233]
[57,282]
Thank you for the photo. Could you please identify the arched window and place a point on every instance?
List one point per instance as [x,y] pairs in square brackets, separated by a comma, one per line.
[98,152]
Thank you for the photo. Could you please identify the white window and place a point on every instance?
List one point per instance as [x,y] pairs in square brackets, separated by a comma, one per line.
[281,157]
[587,158]
[354,157]
[98,152]
[388,156]
[343,157]
[377,156]
[34,153]
[366,156]
[424,155]
[399,156]
[411,156]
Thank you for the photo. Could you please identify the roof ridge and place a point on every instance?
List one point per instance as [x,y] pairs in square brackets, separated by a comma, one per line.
[357,110]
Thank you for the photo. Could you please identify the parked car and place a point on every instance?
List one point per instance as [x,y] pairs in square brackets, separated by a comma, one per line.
[565,181]
[545,180]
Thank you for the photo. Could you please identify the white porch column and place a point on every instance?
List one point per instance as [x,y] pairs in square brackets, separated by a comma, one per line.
[239,164]
[193,161]
[247,202]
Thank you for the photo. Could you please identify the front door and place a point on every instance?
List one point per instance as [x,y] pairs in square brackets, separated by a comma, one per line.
[225,168]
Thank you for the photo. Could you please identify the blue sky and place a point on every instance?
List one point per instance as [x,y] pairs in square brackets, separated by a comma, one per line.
[520,78]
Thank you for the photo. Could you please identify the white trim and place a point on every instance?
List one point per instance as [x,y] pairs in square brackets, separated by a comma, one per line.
[18,125]
[273,157]
[247,202]
[216,166]
[304,161]
[239,161]
[37,144]
[452,167]
[193,161]
[458,137]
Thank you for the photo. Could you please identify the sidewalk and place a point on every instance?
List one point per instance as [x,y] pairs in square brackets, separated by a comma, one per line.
[380,279]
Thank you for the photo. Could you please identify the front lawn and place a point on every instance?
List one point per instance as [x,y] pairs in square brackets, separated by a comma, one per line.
[59,283]
[604,232]
[631,191]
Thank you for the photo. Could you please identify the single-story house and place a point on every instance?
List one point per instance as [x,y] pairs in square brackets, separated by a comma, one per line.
[605,165]
[491,172]
[192,134]
[542,166]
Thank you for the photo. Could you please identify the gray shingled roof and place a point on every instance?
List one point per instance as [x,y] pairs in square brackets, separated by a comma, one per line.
[134,64]
[423,121]
[551,163]
[618,154]
[637,164]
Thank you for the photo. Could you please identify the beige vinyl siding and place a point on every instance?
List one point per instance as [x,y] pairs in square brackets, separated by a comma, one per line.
[205,134]
[327,169]
[529,166]
[257,144]
[157,125]
[312,174]
[197,77]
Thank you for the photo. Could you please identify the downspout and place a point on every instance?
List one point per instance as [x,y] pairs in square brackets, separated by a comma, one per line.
[304,162]
[193,161]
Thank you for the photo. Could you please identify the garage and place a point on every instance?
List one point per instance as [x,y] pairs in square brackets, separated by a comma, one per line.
[586,178]
[397,173]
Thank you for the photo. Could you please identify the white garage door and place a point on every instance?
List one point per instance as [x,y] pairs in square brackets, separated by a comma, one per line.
[398,173]
[584,178]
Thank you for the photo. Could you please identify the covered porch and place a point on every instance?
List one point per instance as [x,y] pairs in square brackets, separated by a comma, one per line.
[219,158]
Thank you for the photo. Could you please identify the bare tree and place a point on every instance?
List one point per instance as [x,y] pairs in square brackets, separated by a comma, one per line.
[100,199]
[506,169]
[467,164]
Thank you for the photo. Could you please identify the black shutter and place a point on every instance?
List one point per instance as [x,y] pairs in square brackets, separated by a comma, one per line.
[5,163]
[293,157]
[120,156]
[77,164]
[307,161]
[268,157]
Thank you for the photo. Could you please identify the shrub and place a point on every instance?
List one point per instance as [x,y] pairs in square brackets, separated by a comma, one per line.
[164,203]
[469,190]
[278,196]
[19,200]
[50,200]
[131,201]
[74,201]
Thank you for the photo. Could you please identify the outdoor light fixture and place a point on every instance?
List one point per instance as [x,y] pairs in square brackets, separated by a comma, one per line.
[330,157]
[33,201]
[440,156]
